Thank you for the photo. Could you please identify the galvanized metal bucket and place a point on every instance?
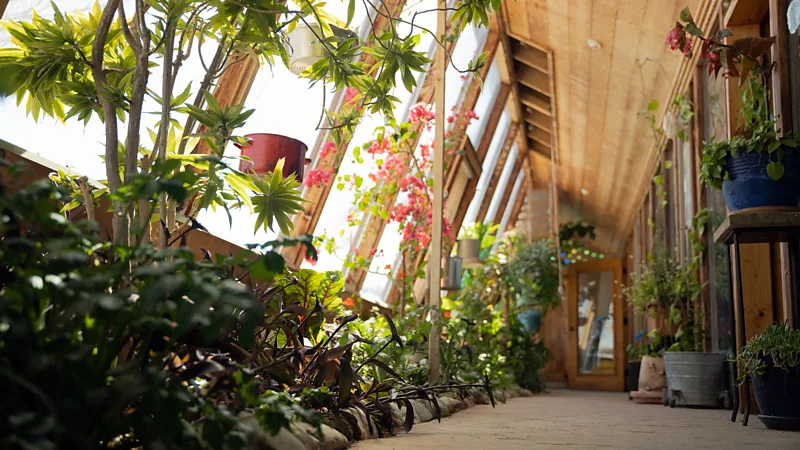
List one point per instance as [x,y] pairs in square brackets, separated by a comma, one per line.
[694,378]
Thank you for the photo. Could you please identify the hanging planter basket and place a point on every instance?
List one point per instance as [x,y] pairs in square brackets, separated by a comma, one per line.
[304,47]
[469,250]
[265,150]
[453,270]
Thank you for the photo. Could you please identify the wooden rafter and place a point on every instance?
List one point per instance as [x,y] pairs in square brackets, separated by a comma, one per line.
[3,5]
[499,166]
[306,222]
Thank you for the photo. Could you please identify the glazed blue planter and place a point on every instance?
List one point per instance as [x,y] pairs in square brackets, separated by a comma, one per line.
[531,320]
[749,185]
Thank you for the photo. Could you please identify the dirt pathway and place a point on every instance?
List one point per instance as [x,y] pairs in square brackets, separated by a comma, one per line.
[586,420]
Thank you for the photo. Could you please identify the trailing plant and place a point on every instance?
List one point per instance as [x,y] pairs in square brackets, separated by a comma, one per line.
[743,58]
[777,346]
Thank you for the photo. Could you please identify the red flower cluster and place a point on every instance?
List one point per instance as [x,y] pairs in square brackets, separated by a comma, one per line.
[379,148]
[677,40]
[422,112]
[326,149]
[713,53]
[317,177]
[392,168]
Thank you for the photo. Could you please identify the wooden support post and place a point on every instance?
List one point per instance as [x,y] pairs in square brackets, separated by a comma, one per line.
[434,266]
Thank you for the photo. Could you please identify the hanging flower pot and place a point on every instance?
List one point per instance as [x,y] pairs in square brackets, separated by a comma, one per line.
[451,281]
[304,47]
[265,150]
[469,251]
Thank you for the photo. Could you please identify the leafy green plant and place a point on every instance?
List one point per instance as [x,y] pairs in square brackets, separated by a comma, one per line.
[533,274]
[743,58]
[778,345]
[667,291]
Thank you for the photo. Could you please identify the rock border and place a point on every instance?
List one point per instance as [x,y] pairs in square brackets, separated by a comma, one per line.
[301,436]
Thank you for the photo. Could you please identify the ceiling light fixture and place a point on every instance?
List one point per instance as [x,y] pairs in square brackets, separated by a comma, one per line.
[594,45]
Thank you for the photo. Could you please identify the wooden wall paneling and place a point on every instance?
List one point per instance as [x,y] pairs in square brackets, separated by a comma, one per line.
[502,158]
[555,337]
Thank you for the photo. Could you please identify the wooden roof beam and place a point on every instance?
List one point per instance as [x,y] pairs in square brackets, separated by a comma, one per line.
[509,188]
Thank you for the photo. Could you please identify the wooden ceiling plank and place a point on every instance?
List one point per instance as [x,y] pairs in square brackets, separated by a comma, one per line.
[624,53]
[603,28]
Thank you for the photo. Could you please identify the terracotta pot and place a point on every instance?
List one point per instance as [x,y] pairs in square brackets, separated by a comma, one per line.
[265,150]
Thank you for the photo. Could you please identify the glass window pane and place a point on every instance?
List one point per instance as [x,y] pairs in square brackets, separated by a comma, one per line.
[339,207]
[488,166]
[501,186]
[515,193]
[596,322]
[468,47]
[491,86]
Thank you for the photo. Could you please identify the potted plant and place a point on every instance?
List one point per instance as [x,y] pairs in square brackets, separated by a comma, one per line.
[263,151]
[772,360]
[533,275]
[645,351]
[667,291]
[756,167]
[475,242]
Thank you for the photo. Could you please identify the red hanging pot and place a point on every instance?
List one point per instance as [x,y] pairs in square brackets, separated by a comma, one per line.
[265,150]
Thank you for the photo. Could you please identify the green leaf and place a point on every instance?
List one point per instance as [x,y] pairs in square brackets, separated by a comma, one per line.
[686,15]
[775,170]
[653,105]
[692,29]
[351,9]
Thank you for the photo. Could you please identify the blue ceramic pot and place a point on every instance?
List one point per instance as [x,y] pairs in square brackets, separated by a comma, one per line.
[531,320]
[749,185]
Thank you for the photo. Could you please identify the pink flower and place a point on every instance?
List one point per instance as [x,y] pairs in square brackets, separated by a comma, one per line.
[326,149]
[317,177]
[378,148]
[676,38]
[422,112]
[450,119]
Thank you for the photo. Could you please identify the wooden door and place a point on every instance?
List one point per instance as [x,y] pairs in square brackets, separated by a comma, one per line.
[595,312]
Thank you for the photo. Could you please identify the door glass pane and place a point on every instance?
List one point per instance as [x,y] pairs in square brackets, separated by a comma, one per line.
[596,322]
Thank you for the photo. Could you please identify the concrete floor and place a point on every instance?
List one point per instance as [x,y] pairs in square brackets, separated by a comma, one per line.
[582,419]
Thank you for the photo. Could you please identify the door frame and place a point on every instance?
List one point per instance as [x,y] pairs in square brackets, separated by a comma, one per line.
[599,382]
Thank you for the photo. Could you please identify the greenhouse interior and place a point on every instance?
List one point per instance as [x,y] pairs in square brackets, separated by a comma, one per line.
[399,224]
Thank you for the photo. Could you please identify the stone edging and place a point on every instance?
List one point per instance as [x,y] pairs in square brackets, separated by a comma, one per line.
[302,436]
